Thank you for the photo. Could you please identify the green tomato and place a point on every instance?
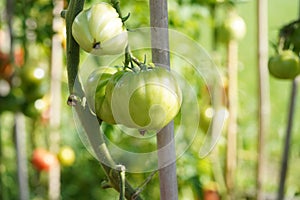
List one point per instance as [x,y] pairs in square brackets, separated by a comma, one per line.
[233,28]
[147,100]
[99,30]
[95,91]
[33,82]
[284,65]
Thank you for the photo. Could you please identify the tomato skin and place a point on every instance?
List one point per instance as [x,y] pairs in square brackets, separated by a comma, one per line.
[95,90]
[146,100]
[99,30]
[66,156]
[284,65]
[43,160]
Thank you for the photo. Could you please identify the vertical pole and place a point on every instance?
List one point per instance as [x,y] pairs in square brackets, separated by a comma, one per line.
[20,142]
[232,63]
[287,141]
[165,138]
[264,99]
[55,98]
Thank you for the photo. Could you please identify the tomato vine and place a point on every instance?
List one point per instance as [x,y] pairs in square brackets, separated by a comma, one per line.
[85,115]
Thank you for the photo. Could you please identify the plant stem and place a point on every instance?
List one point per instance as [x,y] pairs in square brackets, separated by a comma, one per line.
[165,138]
[89,122]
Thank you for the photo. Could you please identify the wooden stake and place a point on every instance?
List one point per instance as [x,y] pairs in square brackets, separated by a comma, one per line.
[165,138]
[263,92]
[55,98]
[232,63]
[20,142]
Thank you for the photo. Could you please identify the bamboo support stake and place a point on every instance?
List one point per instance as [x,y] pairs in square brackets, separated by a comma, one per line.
[264,99]
[55,98]
[20,142]
[165,138]
[232,64]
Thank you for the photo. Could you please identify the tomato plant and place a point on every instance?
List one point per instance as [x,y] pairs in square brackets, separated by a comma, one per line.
[99,30]
[147,99]
[284,65]
[66,156]
[43,160]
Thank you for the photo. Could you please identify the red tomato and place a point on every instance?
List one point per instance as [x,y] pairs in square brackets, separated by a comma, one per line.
[43,160]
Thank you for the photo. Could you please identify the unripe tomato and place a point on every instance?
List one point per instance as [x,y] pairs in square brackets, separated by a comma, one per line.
[66,156]
[147,100]
[233,28]
[284,65]
[95,88]
[33,82]
[43,160]
[99,30]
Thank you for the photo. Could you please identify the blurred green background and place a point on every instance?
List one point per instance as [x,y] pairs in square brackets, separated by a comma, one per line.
[32,32]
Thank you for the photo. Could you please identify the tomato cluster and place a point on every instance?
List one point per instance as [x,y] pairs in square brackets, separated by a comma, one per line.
[147,99]
[143,97]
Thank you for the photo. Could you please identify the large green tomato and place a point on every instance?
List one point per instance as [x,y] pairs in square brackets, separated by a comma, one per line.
[99,30]
[147,100]
[95,91]
[284,65]
[233,28]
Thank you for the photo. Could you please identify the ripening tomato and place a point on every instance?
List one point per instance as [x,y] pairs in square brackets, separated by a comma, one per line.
[284,65]
[99,30]
[66,156]
[147,100]
[233,28]
[43,160]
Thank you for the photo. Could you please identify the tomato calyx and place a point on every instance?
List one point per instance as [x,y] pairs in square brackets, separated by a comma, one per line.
[134,64]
